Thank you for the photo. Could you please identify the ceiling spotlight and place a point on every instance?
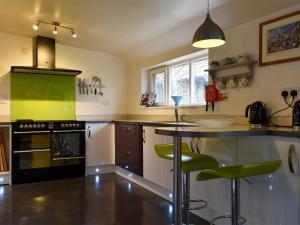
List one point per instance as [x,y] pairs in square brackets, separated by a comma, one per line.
[55,30]
[74,35]
[36,26]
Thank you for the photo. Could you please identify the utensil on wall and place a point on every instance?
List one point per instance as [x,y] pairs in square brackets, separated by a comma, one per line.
[90,86]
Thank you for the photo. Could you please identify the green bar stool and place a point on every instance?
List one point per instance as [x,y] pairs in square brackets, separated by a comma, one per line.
[235,173]
[190,162]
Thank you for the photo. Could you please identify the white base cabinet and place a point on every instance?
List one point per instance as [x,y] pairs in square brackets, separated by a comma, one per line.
[100,147]
[156,169]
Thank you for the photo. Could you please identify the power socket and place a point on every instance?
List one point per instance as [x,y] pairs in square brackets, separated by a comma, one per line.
[291,91]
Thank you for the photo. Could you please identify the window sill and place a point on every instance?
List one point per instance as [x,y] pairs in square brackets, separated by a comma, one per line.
[172,107]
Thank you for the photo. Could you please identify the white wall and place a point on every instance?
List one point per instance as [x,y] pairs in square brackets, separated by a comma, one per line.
[267,84]
[17,50]
[110,69]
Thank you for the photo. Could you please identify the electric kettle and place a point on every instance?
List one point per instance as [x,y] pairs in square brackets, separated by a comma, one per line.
[257,114]
[296,115]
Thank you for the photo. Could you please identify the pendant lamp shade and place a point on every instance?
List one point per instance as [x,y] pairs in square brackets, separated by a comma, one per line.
[208,35]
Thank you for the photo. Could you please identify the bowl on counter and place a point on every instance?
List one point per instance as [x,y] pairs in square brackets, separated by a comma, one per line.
[214,123]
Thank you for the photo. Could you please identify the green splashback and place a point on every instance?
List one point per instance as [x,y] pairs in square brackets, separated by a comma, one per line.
[42,97]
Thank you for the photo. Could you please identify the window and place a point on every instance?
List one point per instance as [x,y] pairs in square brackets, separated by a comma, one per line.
[158,81]
[187,79]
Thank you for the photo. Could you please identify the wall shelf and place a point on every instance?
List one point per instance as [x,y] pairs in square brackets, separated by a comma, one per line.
[249,64]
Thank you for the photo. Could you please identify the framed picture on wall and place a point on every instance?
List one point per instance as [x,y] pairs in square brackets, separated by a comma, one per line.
[279,40]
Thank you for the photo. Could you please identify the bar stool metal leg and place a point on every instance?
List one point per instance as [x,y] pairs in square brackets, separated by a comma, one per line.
[186,197]
[235,216]
[235,201]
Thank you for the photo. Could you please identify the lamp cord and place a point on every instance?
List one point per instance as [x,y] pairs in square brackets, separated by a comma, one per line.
[207,6]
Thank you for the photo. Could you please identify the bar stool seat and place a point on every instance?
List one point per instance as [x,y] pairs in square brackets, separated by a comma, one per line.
[235,173]
[190,162]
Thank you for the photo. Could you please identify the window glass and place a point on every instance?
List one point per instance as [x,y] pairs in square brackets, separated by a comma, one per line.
[180,82]
[159,87]
[186,79]
[199,80]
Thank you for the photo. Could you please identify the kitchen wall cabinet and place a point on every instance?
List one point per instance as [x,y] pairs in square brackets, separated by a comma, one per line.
[129,147]
[99,146]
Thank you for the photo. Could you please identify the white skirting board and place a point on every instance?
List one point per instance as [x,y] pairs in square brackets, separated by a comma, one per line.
[100,169]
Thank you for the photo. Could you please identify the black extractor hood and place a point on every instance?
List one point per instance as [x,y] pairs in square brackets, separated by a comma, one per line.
[44,60]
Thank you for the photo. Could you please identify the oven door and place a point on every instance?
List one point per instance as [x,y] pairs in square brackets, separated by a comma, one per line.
[68,148]
[31,150]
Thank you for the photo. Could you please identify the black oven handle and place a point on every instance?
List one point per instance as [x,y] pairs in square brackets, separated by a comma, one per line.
[67,131]
[68,158]
[33,150]
[31,132]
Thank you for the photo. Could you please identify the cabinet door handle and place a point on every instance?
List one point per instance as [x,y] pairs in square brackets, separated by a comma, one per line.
[89,132]
[291,155]
[126,129]
[144,135]
[128,153]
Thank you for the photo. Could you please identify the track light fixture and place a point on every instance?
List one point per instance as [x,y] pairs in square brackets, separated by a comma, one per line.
[56,26]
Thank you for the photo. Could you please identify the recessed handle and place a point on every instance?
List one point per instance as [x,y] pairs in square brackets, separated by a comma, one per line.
[291,156]
[89,132]
[144,136]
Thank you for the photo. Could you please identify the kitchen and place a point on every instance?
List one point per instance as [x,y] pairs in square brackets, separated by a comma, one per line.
[108,138]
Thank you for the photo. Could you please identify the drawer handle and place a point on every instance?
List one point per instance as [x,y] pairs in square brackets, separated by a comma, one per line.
[292,152]
[128,153]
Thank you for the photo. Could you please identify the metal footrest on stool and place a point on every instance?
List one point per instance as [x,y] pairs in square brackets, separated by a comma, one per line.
[203,204]
[241,219]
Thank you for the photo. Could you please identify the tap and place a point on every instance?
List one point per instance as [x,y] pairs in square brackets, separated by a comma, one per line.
[176,115]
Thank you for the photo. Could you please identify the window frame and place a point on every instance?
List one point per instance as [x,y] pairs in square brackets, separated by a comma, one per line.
[152,72]
[167,91]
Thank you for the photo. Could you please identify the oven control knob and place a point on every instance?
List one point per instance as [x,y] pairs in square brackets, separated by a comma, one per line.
[62,125]
[74,125]
[25,126]
[30,126]
[43,125]
[34,125]
[77,125]
[21,126]
[38,125]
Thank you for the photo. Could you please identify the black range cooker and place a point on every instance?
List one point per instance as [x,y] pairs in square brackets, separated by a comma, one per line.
[45,150]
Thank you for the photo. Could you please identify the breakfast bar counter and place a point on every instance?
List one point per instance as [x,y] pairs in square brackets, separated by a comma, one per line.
[233,131]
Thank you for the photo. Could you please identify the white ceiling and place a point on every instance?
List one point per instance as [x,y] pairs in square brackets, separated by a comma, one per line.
[131,29]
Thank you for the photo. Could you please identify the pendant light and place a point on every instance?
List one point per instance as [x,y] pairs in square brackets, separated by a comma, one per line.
[209,34]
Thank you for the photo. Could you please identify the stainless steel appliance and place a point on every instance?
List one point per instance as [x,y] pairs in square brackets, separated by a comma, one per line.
[258,114]
[296,115]
[44,150]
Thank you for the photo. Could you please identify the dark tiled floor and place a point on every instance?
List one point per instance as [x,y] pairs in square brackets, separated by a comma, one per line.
[102,200]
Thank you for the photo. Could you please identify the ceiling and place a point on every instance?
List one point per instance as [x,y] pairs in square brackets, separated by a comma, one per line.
[132,29]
